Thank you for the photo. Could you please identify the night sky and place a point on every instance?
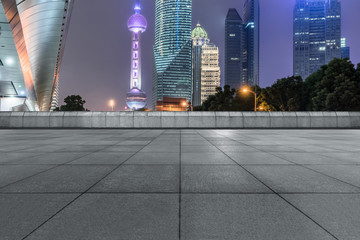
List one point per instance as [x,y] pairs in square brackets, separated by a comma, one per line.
[96,62]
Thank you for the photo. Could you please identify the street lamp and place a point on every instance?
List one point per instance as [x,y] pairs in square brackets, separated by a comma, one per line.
[112,104]
[245,90]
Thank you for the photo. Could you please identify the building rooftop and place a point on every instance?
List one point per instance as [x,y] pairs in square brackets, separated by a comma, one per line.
[199,32]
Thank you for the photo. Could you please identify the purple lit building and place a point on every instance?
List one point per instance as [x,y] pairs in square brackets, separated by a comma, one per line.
[136,98]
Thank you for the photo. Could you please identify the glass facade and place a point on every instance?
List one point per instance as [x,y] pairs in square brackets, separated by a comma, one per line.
[317,35]
[233,49]
[242,46]
[345,50]
[252,41]
[172,73]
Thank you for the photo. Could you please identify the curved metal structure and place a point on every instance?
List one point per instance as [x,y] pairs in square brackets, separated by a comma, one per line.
[39,29]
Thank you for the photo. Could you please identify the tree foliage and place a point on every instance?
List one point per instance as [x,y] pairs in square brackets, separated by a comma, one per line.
[284,95]
[73,103]
[335,87]
[338,87]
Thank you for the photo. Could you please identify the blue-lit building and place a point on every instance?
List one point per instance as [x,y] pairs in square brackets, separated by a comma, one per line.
[234,49]
[242,46]
[252,42]
[317,35]
[172,75]
[345,50]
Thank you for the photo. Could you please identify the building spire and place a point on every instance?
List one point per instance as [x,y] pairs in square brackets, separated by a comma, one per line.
[137,7]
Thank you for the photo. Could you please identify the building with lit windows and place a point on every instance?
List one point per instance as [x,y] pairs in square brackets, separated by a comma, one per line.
[205,66]
[172,72]
[210,71]
[234,49]
[252,42]
[242,46]
[137,24]
[172,105]
[317,35]
[345,50]
[32,41]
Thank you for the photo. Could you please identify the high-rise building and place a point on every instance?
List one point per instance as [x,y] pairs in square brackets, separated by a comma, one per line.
[137,24]
[205,66]
[252,42]
[234,49]
[210,71]
[317,34]
[345,50]
[172,50]
[33,35]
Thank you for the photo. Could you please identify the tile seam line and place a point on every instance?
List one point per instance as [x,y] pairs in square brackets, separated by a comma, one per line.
[60,165]
[185,193]
[302,165]
[281,197]
[180,184]
[77,197]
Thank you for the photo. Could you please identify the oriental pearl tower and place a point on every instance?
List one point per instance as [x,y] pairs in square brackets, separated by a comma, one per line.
[137,24]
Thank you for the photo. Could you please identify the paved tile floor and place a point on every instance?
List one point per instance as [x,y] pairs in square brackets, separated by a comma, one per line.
[179,184]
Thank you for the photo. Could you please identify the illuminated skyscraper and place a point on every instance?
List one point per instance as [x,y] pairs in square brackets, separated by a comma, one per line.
[172,50]
[252,41]
[317,34]
[205,66]
[234,49]
[242,38]
[137,24]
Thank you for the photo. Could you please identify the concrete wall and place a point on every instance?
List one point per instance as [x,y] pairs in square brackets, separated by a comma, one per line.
[216,120]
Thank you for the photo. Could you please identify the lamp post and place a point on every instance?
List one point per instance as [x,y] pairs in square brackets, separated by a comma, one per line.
[245,90]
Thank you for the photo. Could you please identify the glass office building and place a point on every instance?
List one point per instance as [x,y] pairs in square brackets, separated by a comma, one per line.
[234,49]
[345,50]
[317,35]
[242,46]
[172,50]
[252,41]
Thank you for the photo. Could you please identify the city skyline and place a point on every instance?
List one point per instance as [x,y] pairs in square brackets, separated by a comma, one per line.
[92,67]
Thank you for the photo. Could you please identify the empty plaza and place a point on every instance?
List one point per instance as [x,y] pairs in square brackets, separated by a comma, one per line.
[179,184]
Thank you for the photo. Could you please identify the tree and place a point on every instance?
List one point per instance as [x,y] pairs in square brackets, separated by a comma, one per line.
[339,87]
[221,101]
[312,88]
[284,95]
[73,103]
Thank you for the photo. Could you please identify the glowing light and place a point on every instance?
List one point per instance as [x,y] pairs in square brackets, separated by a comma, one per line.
[112,104]
[22,92]
[9,61]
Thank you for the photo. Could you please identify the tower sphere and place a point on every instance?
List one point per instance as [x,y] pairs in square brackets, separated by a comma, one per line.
[137,23]
[136,99]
